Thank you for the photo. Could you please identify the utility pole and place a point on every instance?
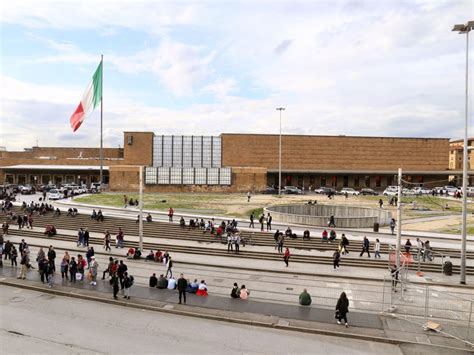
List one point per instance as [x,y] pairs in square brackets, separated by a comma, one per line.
[399,217]
[140,204]
[465,29]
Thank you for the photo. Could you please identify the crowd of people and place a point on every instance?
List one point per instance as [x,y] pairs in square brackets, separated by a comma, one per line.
[84,267]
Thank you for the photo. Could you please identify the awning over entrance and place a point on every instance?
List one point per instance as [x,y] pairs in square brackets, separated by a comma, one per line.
[50,167]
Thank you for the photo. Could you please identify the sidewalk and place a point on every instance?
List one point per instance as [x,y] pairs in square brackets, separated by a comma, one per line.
[365,326]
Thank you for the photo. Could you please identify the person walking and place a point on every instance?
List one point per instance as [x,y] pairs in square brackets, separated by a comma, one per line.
[392,225]
[170,214]
[336,257]
[248,196]
[343,244]
[170,266]
[261,220]
[13,255]
[342,308]
[281,241]
[269,222]
[107,239]
[127,282]
[24,265]
[252,217]
[286,257]
[73,269]
[182,285]
[381,203]
[86,237]
[365,247]
[109,268]
[377,248]
[114,281]
[121,271]
[93,268]
[50,274]
[230,244]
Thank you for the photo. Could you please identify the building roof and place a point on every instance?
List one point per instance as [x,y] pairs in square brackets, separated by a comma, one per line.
[330,136]
[372,172]
[54,167]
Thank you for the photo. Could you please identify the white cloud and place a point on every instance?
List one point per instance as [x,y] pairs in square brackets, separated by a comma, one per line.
[371,68]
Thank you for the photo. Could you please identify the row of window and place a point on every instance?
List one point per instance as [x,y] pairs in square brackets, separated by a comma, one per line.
[187,151]
[187,176]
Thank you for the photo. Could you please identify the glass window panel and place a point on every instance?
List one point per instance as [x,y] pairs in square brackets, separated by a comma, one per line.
[197,144]
[151,176]
[157,151]
[175,176]
[188,176]
[200,176]
[163,176]
[213,176]
[167,151]
[225,176]
[177,148]
[187,151]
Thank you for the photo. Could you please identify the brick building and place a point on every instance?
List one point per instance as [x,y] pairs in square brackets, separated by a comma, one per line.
[237,162]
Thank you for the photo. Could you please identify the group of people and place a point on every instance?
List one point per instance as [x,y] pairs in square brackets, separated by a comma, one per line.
[97,216]
[181,284]
[265,221]
[342,305]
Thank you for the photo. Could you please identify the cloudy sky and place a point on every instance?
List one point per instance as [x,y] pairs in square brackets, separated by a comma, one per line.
[390,68]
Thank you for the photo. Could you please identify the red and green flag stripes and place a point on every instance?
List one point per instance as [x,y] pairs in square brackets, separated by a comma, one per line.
[90,100]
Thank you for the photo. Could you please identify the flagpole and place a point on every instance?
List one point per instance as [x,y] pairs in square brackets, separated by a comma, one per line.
[101,118]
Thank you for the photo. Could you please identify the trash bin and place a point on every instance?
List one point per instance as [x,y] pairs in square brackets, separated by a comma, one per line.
[376,226]
[448,268]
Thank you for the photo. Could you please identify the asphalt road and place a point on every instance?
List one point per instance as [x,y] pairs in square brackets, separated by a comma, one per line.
[33,323]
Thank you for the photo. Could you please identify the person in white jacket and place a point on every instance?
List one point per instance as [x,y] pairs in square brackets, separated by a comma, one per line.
[377,248]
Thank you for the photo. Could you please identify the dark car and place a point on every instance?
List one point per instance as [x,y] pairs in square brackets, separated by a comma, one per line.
[292,190]
[270,191]
[368,192]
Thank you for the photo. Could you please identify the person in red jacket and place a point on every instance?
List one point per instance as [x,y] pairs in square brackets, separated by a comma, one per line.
[170,214]
[286,257]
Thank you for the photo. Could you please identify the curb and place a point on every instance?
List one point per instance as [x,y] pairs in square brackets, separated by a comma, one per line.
[225,319]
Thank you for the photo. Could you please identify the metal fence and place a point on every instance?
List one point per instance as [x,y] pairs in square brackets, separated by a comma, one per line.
[423,304]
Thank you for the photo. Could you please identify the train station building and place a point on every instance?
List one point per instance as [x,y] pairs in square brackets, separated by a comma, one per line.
[237,162]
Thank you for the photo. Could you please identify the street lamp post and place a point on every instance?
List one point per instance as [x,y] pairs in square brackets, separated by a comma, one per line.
[464,29]
[279,155]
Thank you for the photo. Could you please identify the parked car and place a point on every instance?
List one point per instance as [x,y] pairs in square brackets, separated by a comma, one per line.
[368,192]
[349,191]
[55,194]
[326,191]
[421,191]
[292,190]
[270,191]
[27,190]
[390,191]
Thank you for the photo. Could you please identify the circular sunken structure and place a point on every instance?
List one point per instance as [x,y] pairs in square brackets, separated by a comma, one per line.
[318,215]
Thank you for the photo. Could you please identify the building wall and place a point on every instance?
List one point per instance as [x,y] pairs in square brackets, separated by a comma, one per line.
[335,152]
[125,178]
[456,154]
[138,148]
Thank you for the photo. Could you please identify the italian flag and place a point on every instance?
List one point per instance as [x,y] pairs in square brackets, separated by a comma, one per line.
[90,100]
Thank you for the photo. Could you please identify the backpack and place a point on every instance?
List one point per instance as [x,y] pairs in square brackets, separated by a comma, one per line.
[131,280]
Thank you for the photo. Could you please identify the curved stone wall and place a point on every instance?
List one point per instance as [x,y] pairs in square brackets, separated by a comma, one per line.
[318,215]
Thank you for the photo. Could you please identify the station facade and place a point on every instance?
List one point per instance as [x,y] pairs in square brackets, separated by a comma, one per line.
[237,162]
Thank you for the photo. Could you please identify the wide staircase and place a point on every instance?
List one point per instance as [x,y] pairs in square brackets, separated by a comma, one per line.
[170,231]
